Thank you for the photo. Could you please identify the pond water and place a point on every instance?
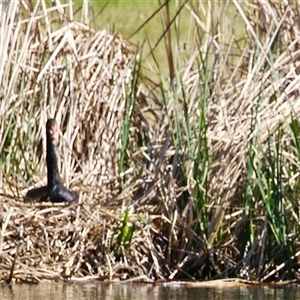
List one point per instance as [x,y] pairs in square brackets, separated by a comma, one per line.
[141,292]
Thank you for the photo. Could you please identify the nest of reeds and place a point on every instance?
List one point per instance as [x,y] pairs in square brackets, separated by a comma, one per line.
[55,67]
[195,176]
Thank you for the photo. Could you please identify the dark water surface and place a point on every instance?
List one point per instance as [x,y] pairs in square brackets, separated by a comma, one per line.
[141,292]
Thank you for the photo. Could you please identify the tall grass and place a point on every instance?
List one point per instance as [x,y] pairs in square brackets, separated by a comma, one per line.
[189,173]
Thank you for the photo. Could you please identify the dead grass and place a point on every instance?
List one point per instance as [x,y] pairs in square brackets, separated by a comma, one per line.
[194,176]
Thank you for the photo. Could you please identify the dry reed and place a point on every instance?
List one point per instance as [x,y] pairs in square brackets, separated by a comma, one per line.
[129,147]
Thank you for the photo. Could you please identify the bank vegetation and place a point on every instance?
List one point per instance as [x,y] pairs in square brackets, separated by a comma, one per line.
[185,172]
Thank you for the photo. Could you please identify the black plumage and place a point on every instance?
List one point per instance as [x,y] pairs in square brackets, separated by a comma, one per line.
[55,189]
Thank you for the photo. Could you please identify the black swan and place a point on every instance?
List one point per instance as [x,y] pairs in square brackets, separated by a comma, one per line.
[55,190]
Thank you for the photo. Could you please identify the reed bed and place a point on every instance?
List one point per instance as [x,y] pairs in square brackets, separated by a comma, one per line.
[192,176]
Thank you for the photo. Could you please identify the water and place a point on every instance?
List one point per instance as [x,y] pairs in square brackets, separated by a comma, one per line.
[142,292]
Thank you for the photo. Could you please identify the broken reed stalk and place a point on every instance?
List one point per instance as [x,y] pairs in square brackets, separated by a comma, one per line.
[201,178]
[13,266]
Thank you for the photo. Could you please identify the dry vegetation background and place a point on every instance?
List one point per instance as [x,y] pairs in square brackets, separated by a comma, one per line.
[186,172]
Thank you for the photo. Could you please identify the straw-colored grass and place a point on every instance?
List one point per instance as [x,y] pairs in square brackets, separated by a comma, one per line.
[193,176]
